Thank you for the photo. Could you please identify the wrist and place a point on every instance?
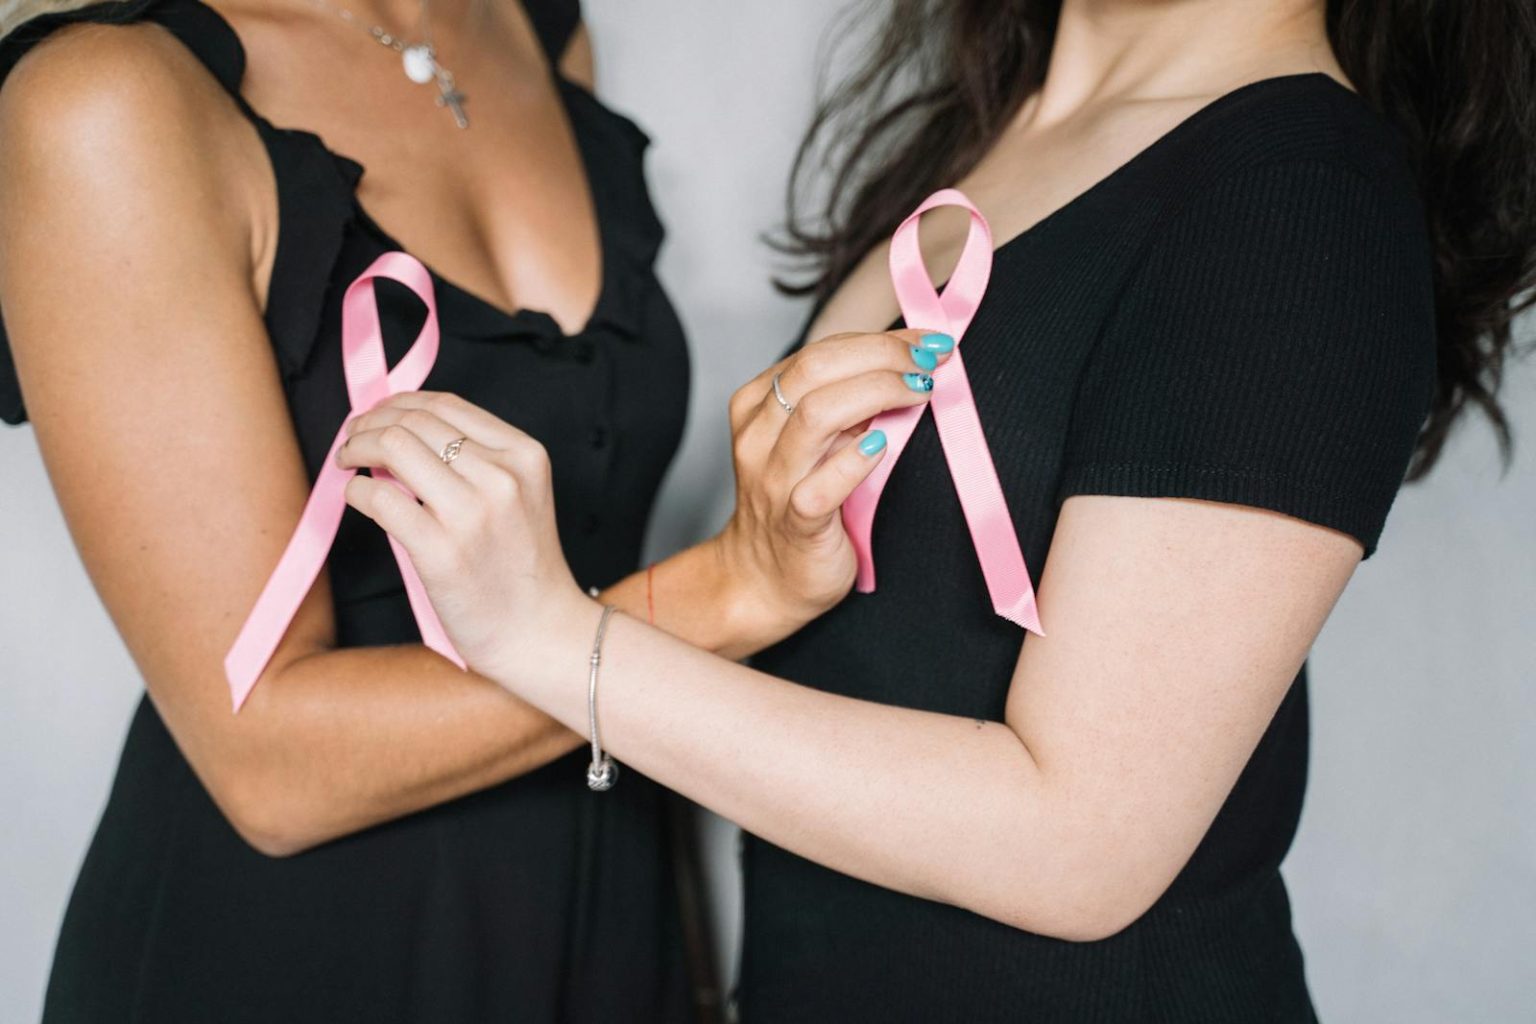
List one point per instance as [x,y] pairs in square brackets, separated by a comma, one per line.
[753,609]
[535,656]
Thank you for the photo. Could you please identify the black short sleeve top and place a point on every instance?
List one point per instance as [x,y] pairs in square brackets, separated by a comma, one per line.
[1276,353]
[1242,313]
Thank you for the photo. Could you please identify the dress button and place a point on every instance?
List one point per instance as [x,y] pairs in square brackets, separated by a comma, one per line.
[599,438]
[585,350]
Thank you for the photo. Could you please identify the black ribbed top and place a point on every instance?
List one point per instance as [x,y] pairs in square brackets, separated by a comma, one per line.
[1243,313]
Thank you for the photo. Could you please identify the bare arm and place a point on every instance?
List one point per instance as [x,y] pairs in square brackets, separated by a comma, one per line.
[129,254]
[1175,629]
[1126,727]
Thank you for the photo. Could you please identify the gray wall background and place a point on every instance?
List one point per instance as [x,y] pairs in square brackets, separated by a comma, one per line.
[1414,877]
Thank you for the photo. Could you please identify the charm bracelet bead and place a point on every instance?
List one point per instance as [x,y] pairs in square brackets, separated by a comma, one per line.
[602,773]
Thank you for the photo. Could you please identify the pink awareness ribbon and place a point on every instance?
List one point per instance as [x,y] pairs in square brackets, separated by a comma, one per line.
[955,415]
[369,381]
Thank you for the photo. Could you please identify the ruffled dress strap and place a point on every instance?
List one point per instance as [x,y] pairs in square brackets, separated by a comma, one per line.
[554,22]
[197,25]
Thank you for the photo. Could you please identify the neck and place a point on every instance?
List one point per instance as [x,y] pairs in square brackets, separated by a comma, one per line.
[1126,50]
[406,15]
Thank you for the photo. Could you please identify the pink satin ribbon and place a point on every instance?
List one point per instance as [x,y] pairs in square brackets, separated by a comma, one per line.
[954,413]
[369,381]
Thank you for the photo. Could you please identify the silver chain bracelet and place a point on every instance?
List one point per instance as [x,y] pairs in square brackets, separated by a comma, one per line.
[602,773]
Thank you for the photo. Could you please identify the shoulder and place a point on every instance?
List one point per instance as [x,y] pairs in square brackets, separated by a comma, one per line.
[91,78]
[1289,242]
[119,150]
[1294,176]
[1296,142]
[120,114]
[1273,343]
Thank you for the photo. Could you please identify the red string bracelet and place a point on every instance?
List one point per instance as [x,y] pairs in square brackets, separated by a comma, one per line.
[650,594]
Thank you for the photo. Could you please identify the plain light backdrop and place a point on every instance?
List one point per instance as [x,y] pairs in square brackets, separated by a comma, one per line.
[1414,878]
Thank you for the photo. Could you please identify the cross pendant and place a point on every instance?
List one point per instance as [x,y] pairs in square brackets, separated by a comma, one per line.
[450,97]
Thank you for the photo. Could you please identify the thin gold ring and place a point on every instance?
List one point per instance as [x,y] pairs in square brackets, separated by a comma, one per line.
[451,450]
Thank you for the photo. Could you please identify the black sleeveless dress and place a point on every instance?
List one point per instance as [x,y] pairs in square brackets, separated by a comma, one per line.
[532,901]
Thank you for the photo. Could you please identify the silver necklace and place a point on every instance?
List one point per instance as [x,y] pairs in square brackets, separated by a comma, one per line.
[419,60]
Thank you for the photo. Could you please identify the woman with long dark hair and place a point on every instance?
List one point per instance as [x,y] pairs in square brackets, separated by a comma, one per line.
[1255,260]
[197,290]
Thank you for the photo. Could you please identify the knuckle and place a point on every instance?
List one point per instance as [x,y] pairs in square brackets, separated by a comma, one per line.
[418,420]
[815,412]
[846,471]
[501,485]
[534,459]
[395,439]
[439,402]
[744,405]
[805,502]
[815,361]
[746,450]
[739,402]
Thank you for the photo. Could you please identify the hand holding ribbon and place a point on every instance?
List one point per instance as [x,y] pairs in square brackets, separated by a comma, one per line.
[369,381]
[954,414]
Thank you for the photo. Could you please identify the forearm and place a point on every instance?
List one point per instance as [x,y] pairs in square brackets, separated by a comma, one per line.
[339,741]
[941,807]
[699,596]
[347,739]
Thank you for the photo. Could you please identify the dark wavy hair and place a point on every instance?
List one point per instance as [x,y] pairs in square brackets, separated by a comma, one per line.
[941,79]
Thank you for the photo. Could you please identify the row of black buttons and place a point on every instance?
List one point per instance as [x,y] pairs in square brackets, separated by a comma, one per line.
[584,352]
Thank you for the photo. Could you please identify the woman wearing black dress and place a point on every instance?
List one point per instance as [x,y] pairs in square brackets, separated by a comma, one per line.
[1254,257]
[376,836]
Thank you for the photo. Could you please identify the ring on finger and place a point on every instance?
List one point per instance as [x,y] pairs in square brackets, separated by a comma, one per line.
[778,394]
[451,450]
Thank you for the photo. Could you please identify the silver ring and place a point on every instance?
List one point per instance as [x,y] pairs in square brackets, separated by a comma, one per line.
[778,393]
[451,450]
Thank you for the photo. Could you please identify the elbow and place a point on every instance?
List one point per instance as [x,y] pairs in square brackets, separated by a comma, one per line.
[1095,924]
[1075,921]
[1079,904]
[1071,870]
[268,796]
[273,843]
[1078,923]
[269,818]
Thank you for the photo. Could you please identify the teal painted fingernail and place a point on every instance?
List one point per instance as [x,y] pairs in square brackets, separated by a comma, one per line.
[924,360]
[873,443]
[918,381]
[937,343]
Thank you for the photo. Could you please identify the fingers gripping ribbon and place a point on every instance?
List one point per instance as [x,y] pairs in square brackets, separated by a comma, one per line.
[369,381]
[954,414]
